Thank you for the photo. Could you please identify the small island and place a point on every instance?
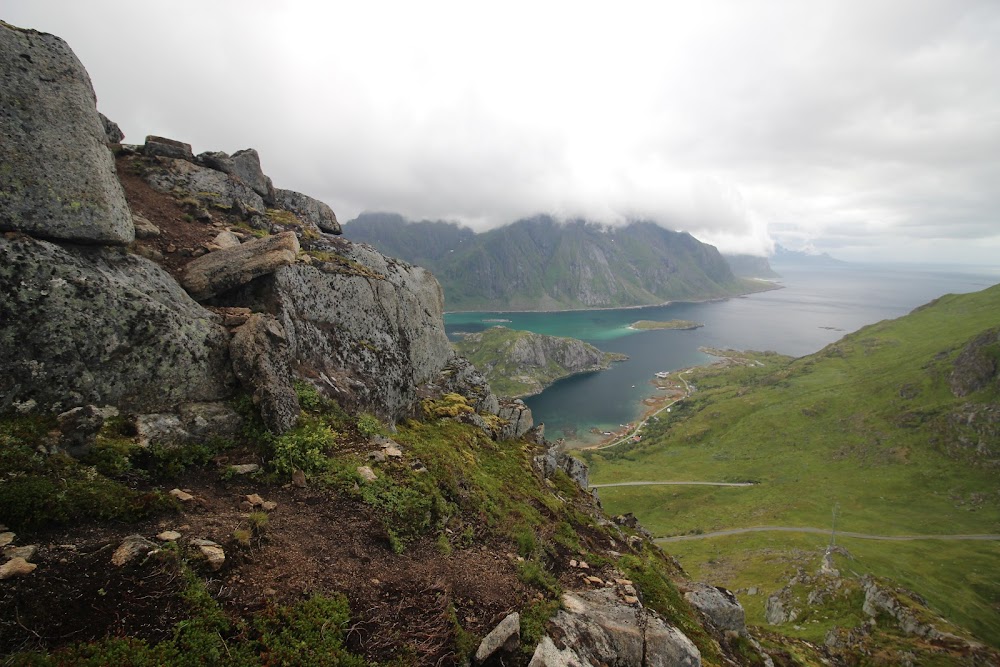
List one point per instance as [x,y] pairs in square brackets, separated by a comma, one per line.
[647,325]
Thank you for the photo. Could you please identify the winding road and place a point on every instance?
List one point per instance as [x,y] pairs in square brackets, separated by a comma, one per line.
[822,531]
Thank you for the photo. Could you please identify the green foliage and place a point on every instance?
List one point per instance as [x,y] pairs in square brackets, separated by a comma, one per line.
[309,633]
[309,397]
[304,447]
[39,489]
[407,507]
[449,405]
[533,573]
[534,617]
[165,462]
[524,537]
[368,425]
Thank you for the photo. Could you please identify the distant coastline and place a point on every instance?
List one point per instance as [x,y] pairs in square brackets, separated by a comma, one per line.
[764,288]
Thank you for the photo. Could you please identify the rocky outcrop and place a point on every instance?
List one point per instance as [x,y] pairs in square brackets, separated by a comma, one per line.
[57,176]
[261,360]
[171,148]
[237,265]
[307,208]
[112,133]
[505,636]
[211,187]
[554,459]
[977,365]
[719,606]
[517,419]
[368,327]
[191,422]
[522,363]
[597,628]
[99,326]
[246,167]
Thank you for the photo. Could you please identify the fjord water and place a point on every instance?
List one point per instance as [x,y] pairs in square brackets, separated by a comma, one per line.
[814,307]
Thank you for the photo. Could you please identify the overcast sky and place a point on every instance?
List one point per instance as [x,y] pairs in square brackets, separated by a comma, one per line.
[869,129]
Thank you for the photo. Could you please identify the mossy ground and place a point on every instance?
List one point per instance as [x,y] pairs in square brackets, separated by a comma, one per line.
[412,568]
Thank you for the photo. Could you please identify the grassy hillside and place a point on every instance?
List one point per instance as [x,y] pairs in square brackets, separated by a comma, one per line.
[896,426]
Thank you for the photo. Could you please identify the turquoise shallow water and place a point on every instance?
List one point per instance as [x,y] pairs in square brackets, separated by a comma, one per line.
[814,308]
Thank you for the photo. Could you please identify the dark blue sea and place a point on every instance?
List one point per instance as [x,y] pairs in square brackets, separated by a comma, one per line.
[814,307]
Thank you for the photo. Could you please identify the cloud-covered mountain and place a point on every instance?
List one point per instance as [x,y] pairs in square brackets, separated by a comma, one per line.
[540,263]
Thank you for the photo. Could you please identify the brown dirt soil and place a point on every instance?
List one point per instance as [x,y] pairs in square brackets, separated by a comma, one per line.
[315,542]
[181,235]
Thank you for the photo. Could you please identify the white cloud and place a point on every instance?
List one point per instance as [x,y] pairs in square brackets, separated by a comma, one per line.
[866,128]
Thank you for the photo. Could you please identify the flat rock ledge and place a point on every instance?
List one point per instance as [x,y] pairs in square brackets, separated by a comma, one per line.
[225,269]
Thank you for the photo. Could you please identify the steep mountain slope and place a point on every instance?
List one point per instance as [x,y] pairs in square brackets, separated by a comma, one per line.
[751,266]
[522,363]
[895,427]
[542,264]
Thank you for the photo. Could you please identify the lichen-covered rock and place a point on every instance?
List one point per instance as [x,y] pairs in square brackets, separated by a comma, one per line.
[261,360]
[112,133]
[191,422]
[553,459]
[170,148]
[246,167]
[132,547]
[506,635]
[600,629]
[231,267]
[719,606]
[100,326]
[57,176]
[371,326]
[78,428]
[309,209]
[518,419]
[212,187]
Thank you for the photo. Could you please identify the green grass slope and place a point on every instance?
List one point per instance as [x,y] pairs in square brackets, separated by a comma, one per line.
[895,425]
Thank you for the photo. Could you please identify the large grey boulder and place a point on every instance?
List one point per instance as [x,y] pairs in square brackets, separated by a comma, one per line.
[370,326]
[57,176]
[170,148]
[90,325]
[112,133]
[212,187]
[309,209]
[246,167]
[231,267]
[261,360]
[719,606]
[598,628]
[505,636]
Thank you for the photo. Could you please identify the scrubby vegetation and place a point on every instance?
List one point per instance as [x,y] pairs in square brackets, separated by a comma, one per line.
[452,489]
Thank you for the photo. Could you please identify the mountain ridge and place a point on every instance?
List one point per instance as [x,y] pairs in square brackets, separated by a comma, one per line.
[540,263]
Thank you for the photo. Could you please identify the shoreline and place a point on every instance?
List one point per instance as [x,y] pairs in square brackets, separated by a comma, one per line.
[773,286]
